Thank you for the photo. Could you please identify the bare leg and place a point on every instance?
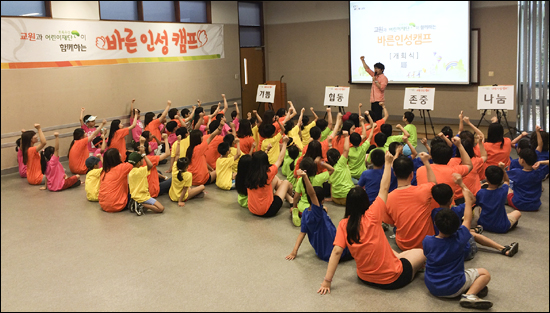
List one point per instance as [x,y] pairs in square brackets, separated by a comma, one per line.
[282,191]
[515,215]
[194,192]
[212,176]
[480,282]
[415,257]
[157,207]
[484,241]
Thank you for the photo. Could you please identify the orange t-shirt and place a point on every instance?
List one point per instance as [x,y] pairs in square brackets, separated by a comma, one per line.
[34,168]
[376,262]
[153,128]
[198,166]
[212,154]
[443,175]
[320,168]
[338,143]
[119,142]
[471,180]
[113,188]
[246,144]
[496,154]
[260,199]
[153,177]
[379,123]
[78,155]
[410,211]
[324,148]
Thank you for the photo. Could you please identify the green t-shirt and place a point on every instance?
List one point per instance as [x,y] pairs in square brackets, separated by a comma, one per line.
[340,179]
[325,133]
[396,138]
[243,200]
[357,159]
[382,148]
[316,181]
[285,169]
[413,139]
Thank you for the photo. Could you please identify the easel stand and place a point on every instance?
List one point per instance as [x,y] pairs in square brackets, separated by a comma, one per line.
[340,109]
[423,115]
[500,115]
[270,105]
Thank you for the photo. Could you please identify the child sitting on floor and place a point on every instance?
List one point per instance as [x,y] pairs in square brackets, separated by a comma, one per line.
[316,224]
[527,186]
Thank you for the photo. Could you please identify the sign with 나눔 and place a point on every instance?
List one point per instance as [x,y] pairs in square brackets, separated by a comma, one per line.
[419,98]
[336,96]
[495,97]
[266,93]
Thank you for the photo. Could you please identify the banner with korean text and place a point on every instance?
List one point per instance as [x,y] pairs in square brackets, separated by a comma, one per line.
[46,43]
[419,98]
[495,97]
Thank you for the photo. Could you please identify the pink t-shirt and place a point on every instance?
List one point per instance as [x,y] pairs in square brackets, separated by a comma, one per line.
[153,145]
[97,152]
[377,94]
[88,131]
[202,128]
[55,174]
[171,139]
[227,129]
[136,131]
[22,166]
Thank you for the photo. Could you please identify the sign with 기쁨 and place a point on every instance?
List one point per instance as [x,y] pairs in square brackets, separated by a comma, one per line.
[336,96]
[419,98]
[266,93]
[495,97]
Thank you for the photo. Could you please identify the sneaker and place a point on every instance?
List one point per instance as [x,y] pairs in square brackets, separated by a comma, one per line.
[139,209]
[483,293]
[392,236]
[473,301]
[296,217]
[132,206]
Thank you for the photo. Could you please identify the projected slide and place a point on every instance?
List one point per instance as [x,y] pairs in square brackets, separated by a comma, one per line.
[419,42]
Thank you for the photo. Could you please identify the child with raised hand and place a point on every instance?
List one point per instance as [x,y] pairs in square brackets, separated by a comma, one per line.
[56,179]
[181,190]
[541,145]
[325,125]
[79,149]
[527,187]
[92,177]
[212,153]
[380,142]
[377,264]
[445,275]
[478,132]
[316,224]
[156,187]
[493,216]
[87,124]
[270,139]
[234,120]
[497,146]
[117,137]
[317,179]
[135,114]
[307,125]
[293,131]
[262,180]
[180,146]
[198,145]
[357,153]
[443,195]
[31,157]
[340,179]
[152,124]
[137,181]
[289,164]
[224,164]
[370,179]
[113,189]
[20,164]
[408,118]
[408,207]
[240,180]
[245,135]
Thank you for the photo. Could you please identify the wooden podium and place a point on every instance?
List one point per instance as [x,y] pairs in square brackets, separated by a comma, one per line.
[280,96]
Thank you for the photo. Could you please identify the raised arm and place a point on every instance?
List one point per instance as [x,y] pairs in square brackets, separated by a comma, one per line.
[476,130]
[468,197]
[237,109]
[56,146]
[540,143]
[371,133]
[82,116]
[424,141]
[314,114]
[414,153]
[162,117]
[301,116]
[405,132]
[482,151]
[238,154]
[142,152]
[166,153]
[216,132]
[134,122]
[257,116]
[429,172]
[386,114]
[200,122]
[42,143]
[282,152]
[97,130]
[345,153]
[506,179]
[518,138]
[363,129]
[460,122]
[191,115]
[386,177]
[367,68]
[215,112]
[447,140]
[103,143]
[338,124]
[132,108]
[182,121]
[329,168]
[329,115]
[224,103]
[464,157]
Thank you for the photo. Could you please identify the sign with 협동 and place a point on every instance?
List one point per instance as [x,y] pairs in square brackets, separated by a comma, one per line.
[336,96]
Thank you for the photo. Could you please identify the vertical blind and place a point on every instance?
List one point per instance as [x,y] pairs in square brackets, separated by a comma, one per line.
[533,97]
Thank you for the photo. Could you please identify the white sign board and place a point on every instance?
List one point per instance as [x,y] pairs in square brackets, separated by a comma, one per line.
[266,93]
[419,98]
[336,96]
[495,97]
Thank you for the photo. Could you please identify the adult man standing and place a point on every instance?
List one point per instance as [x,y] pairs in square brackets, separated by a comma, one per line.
[379,83]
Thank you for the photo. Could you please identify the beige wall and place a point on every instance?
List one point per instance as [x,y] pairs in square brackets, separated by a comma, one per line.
[53,97]
[314,54]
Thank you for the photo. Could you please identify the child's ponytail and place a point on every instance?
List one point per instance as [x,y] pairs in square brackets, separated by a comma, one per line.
[45,156]
[182,165]
[17,144]
[293,153]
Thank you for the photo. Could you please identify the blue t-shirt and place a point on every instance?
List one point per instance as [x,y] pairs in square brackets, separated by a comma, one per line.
[514,163]
[527,187]
[417,162]
[444,273]
[459,210]
[320,231]
[493,215]
[370,181]
[542,156]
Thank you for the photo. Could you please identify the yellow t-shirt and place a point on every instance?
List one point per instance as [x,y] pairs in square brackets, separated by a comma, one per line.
[139,187]
[256,136]
[294,133]
[224,176]
[177,185]
[183,148]
[273,153]
[305,133]
[92,184]
[232,153]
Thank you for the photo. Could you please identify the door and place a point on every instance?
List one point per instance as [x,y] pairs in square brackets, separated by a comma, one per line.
[252,74]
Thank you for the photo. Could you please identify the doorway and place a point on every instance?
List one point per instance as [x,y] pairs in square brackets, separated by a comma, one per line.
[252,74]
